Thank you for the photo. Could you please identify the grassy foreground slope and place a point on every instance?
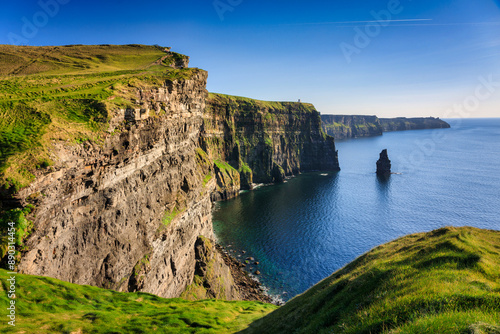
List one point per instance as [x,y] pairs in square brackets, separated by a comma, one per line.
[445,281]
[66,93]
[46,305]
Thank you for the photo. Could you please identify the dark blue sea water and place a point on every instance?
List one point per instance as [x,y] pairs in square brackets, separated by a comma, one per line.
[304,230]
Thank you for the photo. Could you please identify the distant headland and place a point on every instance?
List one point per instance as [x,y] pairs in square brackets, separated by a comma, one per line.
[354,126]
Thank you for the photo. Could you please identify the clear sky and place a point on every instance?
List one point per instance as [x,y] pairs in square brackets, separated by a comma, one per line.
[384,57]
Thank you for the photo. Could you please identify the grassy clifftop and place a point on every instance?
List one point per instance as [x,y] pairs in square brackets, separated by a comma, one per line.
[446,281]
[76,59]
[66,93]
[46,305]
[246,104]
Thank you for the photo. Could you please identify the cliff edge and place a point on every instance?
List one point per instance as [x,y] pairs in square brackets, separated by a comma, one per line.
[356,126]
[111,158]
[100,168]
[256,141]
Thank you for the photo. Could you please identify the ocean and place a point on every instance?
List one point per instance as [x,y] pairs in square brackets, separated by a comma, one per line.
[305,229]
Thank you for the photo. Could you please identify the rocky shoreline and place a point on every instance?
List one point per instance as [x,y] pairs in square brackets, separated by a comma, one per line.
[250,289]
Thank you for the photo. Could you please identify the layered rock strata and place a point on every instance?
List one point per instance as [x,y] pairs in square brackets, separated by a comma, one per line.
[132,210]
[263,142]
[126,214]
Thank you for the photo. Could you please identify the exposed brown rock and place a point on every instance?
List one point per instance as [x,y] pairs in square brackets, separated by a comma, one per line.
[249,288]
[351,126]
[99,221]
[265,141]
[128,213]
[213,278]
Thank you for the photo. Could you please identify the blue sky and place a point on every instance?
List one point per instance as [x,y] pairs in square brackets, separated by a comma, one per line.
[439,57]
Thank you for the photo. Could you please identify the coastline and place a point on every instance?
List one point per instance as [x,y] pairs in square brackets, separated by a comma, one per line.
[250,288]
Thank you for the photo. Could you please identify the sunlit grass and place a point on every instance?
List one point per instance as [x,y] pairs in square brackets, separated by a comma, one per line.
[67,93]
[446,281]
[46,305]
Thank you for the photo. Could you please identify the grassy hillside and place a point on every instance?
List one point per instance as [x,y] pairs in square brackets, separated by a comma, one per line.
[75,59]
[66,93]
[446,281]
[46,305]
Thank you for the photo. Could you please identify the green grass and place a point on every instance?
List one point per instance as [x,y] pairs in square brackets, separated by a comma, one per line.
[207,179]
[169,216]
[225,167]
[229,175]
[46,305]
[251,105]
[204,165]
[76,59]
[16,219]
[141,264]
[445,281]
[336,125]
[66,93]
[211,280]
[244,168]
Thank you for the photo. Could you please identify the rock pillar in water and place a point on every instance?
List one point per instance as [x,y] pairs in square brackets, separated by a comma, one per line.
[384,164]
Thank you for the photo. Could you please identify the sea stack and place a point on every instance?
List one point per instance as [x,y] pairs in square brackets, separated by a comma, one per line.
[384,164]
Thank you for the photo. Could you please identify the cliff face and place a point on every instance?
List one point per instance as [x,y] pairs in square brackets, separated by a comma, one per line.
[126,214]
[402,124]
[263,142]
[343,126]
[110,182]
[346,126]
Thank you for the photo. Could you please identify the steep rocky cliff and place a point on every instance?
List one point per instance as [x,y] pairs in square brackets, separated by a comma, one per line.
[126,214]
[125,209]
[351,126]
[110,170]
[354,126]
[402,123]
[255,141]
